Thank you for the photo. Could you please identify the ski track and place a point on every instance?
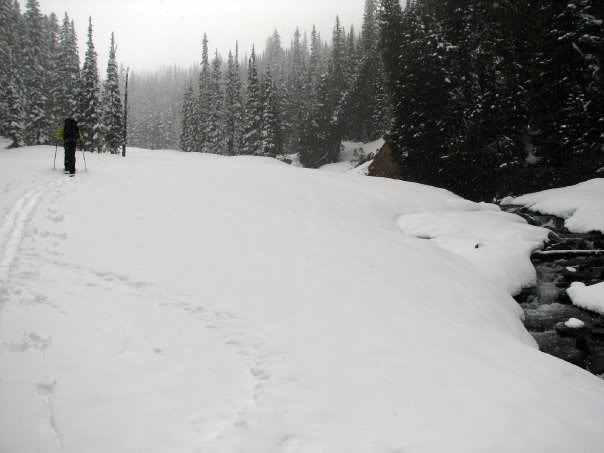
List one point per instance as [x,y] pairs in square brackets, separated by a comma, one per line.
[15,222]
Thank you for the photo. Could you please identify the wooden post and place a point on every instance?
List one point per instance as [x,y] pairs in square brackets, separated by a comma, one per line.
[125,115]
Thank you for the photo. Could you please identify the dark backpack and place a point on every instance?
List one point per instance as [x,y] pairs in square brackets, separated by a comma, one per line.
[71,132]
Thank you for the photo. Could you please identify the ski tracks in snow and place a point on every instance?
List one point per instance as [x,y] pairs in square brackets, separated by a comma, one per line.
[14,224]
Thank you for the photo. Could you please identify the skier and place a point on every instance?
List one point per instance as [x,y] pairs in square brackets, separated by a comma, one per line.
[70,133]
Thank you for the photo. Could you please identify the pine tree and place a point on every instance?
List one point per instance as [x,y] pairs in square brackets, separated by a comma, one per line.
[365,106]
[570,106]
[252,122]
[233,105]
[271,133]
[339,58]
[203,102]
[52,81]
[187,135]
[12,121]
[215,126]
[68,63]
[90,105]
[35,62]
[315,66]
[5,61]
[320,142]
[369,35]
[298,93]
[112,104]
[274,55]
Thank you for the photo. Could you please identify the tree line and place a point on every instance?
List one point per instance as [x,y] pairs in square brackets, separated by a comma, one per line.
[476,96]
[42,83]
[302,99]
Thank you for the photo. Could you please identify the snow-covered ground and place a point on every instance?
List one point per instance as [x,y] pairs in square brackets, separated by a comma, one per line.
[582,205]
[173,302]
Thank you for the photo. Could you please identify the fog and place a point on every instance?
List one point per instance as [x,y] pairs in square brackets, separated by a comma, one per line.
[152,33]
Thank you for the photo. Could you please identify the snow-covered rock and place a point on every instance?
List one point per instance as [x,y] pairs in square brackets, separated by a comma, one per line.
[574,323]
[172,302]
[588,297]
[582,205]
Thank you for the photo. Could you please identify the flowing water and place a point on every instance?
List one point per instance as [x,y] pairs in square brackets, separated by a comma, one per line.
[568,258]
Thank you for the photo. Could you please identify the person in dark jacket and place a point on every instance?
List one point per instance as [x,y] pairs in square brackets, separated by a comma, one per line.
[70,135]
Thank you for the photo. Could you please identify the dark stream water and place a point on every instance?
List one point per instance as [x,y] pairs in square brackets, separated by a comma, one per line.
[568,258]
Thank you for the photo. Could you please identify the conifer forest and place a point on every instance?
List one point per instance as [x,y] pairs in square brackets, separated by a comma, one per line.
[481,97]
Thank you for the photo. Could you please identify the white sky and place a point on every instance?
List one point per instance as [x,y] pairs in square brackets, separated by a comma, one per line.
[151,33]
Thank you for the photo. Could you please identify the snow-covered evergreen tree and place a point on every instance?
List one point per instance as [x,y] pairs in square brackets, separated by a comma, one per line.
[68,63]
[113,119]
[321,143]
[187,135]
[315,64]
[202,112]
[35,62]
[252,121]
[215,125]
[52,82]
[89,116]
[272,131]
[12,118]
[233,105]
[364,110]
[297,101]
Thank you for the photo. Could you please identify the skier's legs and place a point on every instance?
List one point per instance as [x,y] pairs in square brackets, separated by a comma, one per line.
[71,153]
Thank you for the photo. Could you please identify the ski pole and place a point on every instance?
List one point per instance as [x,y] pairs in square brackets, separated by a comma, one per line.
[85,165]
[54,165]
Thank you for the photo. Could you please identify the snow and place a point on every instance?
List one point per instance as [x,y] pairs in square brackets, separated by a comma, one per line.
[582,205]
[588,297]
[178,302]
[497,244]
[347,164]
[574,323]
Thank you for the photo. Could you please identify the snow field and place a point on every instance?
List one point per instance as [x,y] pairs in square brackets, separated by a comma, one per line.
[169,302]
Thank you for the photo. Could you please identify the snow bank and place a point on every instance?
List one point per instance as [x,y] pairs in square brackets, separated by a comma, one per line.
[497,244]
[588,297]
[171,302]
[582,205]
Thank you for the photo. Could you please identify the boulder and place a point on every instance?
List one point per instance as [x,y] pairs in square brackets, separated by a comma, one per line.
[384,164]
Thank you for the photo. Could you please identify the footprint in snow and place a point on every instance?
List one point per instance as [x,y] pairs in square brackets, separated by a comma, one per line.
[46,388]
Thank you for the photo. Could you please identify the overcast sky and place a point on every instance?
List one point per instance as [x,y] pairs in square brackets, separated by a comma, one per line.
[151,33]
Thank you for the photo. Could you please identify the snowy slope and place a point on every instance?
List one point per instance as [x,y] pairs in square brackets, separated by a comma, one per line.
[170,302]
[581,205]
